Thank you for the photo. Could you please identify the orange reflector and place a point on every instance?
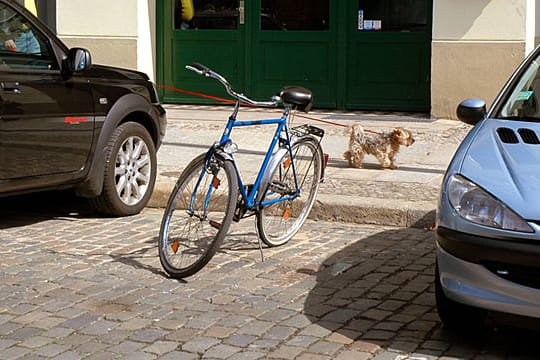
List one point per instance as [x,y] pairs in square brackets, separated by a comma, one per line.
[175,245]
[286,213]
[287,163]
[216,182]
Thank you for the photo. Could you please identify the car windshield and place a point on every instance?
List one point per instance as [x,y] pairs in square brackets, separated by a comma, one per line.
[523,101]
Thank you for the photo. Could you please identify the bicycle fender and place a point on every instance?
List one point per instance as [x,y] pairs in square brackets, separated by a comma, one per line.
[221,153]
[274,162]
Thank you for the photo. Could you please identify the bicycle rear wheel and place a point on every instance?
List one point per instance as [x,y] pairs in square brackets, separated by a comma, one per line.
[279,222]
[190,235]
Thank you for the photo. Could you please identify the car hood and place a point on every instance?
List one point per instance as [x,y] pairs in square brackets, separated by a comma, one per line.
[110,72]
[504,159]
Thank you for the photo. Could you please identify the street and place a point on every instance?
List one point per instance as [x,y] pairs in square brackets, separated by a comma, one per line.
[75,285]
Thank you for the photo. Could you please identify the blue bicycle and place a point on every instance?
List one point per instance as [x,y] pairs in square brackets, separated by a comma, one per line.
[210,193]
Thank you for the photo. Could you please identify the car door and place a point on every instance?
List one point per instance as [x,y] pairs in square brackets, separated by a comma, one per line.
[46,121]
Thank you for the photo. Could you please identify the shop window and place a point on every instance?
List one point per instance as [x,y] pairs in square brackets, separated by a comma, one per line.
[294,15]
[393,15]
[206,14]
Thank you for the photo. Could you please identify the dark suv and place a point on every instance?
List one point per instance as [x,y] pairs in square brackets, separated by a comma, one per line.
[65,123]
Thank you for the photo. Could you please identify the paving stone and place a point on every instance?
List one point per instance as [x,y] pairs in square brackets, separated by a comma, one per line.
[325,347]
[199,345]
[247,355]
[149,335]
[161,347]
[221,352]
[51,350]
[240,340]
[180,355]
[99,327]
[279,333]
[353,355]
[256,327]
[126,347]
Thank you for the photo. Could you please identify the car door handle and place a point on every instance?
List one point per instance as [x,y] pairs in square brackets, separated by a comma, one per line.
[12,86]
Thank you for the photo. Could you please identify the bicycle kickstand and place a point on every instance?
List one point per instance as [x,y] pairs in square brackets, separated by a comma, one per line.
[260,248]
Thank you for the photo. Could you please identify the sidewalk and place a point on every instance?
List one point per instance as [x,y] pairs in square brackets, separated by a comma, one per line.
[406,196]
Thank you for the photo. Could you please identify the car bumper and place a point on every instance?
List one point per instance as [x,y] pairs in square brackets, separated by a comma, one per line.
[472,278]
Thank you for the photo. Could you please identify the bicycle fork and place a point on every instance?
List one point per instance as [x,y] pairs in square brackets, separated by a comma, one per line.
[210,168]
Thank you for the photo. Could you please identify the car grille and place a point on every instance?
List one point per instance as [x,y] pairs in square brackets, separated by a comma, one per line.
[508,136]
[523,275]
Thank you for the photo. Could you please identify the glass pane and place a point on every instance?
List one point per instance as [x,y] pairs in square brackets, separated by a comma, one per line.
[393,15]
[522,102]
[22,46]
[206,14]
[294,15]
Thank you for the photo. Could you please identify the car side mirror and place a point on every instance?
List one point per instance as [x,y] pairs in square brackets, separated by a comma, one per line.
[78,59]
[471,111]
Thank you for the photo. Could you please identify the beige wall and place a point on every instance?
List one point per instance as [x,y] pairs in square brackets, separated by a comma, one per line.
[463,70]
[117,32]
[476,46]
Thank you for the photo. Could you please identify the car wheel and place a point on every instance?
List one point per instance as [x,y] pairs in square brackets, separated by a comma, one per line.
[130,171]
[454,315]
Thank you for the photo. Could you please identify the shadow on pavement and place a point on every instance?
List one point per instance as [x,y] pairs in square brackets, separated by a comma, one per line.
[33,208]
[378,293]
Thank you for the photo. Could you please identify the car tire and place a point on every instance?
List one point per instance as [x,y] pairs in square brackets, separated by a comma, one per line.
[457,316]
[130,171]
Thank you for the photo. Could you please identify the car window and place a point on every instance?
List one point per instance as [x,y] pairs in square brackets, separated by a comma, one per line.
[22,46]
[523,101]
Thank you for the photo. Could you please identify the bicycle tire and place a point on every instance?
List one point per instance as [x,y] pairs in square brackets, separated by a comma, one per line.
[279,222]
[187,241]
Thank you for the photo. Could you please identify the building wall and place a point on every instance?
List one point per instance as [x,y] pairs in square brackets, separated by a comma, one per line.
[118,33]
[476,46]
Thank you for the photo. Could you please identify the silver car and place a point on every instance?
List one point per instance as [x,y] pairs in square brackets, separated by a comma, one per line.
[488,216]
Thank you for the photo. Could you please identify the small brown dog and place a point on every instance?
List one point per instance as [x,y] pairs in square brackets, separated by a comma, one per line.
[384,146]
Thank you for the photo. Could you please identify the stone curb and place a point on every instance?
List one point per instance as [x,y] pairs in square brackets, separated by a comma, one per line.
[343,208]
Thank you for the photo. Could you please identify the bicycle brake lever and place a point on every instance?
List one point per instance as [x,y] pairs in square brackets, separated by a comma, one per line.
[199,69]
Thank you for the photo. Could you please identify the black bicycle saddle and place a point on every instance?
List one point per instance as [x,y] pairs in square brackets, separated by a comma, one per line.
[297,95]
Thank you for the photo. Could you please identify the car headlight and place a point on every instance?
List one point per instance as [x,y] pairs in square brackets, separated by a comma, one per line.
[476,205]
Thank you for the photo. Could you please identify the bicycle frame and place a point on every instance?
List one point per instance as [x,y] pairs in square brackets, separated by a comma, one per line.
[249,195]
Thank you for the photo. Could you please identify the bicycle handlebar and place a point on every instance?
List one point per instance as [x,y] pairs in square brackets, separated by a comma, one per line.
[205,71]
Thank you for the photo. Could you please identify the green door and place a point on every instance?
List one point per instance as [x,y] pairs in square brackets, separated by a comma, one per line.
[206,31]
[388,55]
[294,43]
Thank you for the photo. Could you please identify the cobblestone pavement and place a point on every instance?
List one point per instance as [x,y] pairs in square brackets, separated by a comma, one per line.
[77,286]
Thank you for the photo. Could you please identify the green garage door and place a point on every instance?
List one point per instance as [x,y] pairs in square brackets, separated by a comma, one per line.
[262,45]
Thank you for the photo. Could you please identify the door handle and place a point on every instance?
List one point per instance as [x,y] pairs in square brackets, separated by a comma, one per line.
[242,10]
[12,86]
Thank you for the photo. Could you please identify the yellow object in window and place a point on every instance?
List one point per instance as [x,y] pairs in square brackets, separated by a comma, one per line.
[187,10]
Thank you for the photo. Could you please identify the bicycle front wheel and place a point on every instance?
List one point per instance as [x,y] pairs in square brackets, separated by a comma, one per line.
[278,222]
[198,215]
